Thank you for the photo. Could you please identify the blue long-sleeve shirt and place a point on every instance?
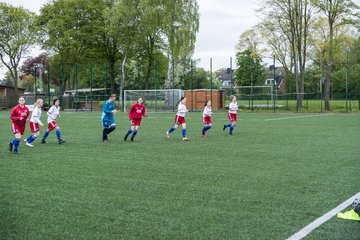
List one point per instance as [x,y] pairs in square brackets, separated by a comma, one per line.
[107,111]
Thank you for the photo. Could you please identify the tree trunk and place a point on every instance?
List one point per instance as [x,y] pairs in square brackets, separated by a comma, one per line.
[15,78]
[328,70]
[297,88]
[148,74]
[112,76]
[169,83]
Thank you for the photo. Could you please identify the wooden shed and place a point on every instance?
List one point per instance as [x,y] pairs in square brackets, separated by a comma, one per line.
[196,98]
[8,98]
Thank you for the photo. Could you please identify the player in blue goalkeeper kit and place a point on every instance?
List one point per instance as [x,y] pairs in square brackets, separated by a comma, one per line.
[107,117]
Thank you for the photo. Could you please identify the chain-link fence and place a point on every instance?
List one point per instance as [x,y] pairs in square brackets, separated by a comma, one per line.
[269,100]
[84,87]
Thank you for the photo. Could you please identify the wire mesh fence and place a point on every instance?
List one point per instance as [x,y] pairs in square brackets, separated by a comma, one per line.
[85,87]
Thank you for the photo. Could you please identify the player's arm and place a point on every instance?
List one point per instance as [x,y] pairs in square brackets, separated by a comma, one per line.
[50,112]
[28,116]
[144,112]
[36,116]
[107,109]
[13,116]
[131,112]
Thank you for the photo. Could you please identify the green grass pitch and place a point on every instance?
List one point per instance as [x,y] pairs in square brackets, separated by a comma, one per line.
[275,175]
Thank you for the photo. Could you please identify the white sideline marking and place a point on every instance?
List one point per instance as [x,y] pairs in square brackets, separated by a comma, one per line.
[306,116]
[324,218]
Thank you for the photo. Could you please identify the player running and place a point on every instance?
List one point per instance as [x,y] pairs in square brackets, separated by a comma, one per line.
[135,114]
[35,122]
[53,114]
[19,115]
[180,119]
[206,118]
[107,117]
[233,107]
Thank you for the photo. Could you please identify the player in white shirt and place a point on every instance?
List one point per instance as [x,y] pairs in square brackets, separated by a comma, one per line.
[35,123]
[53,114]
[233,107]
[206,118]
[180,119]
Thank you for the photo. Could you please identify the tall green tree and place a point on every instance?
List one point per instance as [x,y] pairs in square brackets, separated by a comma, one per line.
[71,29]
[250,70]
[182,24]
[149,39]
[287,24]
[115,32]
[17,35]
[338,13]
[251,40]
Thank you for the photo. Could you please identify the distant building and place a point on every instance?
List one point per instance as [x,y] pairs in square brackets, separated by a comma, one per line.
[8,97]
[227,78]
[279,78]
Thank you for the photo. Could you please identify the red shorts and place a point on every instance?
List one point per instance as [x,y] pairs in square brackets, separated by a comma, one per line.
[179,120]
[232,117]
[207,120]
[52,125]
[18,128]
[136,122]
[34,127]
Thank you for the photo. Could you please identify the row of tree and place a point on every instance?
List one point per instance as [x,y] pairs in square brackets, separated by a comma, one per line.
[111,32]
[151,42]
[305,36]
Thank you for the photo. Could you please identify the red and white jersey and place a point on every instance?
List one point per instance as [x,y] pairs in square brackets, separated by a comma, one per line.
[181,110]
[207,111]
[233,107]
[19,114]
[36,115]
[53,113]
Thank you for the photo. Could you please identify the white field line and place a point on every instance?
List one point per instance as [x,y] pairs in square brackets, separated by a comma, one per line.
[324,218]
[305,116]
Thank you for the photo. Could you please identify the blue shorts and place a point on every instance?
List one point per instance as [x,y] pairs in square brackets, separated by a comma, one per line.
[107,123]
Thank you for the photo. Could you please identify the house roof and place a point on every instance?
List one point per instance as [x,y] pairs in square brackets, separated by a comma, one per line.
[226,76]
[6,86]
[86,90]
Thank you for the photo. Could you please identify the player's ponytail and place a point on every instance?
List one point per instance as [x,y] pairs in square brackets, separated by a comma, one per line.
[182,98]
[37,102]
[206,102]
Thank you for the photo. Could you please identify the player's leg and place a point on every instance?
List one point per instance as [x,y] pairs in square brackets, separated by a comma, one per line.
[205,128]
[135,132]
[106,127]
[51,126]
[229,124]
[184,131]
[34,128]
[104,136]
[111,128]
[46,134]
[233,124]
[15,143]
[177,124]
[30,139]
[132,128]
[172,129]
[58,134]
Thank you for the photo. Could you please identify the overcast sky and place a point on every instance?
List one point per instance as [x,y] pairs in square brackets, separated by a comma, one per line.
[221,23]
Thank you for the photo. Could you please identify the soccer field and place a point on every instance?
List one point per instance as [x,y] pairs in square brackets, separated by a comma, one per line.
[275,175]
